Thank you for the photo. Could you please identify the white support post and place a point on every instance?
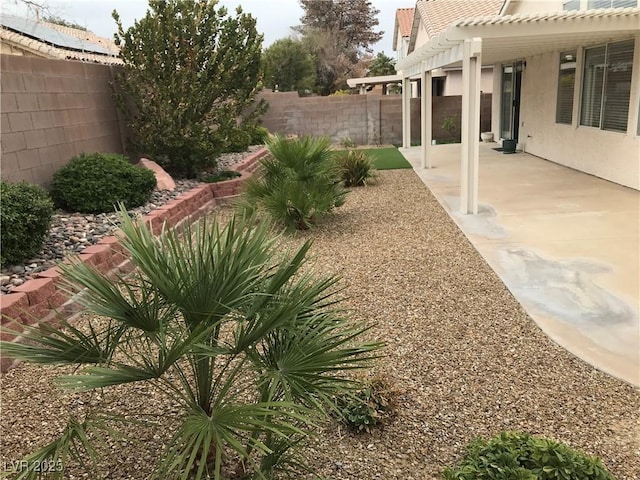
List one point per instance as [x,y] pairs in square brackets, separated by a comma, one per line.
[406,112]
[471,71]
[426,110]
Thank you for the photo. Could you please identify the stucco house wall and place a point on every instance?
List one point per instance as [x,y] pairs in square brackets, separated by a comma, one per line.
[402,46]
[531,6]
[614,156]
[453,83]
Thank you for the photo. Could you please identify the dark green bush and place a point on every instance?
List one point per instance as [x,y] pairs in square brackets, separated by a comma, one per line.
[96,182]
[258,135]
[520,456]
[356,167]
[299,182]
[236,139]
[220,176]
[25,217]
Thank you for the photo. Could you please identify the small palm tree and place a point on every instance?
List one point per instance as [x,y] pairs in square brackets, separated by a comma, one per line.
[222,321]
[356,168]
[298,183]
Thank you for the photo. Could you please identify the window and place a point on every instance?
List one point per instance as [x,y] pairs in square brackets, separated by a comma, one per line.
[566,84]
[611,4]
[571,5]
[606,86]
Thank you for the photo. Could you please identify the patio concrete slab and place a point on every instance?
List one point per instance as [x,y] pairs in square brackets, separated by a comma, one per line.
[565,243]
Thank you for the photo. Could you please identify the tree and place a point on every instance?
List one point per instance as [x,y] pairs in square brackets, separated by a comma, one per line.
[235,332]
[65,23]
[288,64]
[382,65]
[339,33]
[190,72]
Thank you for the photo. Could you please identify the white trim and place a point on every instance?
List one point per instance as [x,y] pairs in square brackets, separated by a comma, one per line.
[525,32]
[426,111]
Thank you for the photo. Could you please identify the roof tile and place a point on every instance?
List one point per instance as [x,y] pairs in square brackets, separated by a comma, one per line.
[437,15]
[404,19]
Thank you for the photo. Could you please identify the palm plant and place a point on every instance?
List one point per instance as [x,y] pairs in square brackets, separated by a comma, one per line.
[356,168]
[298,183]
[223,321]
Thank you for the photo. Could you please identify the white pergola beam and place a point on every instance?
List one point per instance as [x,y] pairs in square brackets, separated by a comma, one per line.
[406,112]
[471,71]
[426,110]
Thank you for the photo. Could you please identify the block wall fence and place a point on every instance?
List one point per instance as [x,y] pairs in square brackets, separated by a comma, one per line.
[366,119]
[51,111]
[43,300]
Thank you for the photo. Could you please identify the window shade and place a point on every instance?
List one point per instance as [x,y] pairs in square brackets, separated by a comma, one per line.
[592,4]
[606,86]
[566,84]
[618,86]
[592,84]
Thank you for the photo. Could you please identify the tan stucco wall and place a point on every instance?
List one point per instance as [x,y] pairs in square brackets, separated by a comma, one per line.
[529,6]
[401,47]
[422,37]
[614,156]
[453,84]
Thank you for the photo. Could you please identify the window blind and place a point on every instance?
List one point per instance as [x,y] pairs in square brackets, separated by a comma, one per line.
[566,86]
[606,86]
[592,4]
[618,86]
[592,84]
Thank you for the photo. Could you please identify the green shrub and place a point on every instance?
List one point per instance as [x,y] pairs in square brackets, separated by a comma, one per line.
[236,139]
[220,176]
[520,456]
[190,70]
[367,407]
[299,182]
[25,217]
[94,183]
[259,135]
[356,167]
[347,142]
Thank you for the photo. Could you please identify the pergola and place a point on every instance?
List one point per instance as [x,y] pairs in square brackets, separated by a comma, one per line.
[470,43]
[363,82]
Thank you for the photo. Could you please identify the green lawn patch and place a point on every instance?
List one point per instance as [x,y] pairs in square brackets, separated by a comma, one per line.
[386,158]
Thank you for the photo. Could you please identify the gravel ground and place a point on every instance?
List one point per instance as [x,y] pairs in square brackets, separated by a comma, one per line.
[465,358]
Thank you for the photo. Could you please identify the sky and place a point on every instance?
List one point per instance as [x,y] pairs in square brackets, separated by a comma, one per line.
[274,17]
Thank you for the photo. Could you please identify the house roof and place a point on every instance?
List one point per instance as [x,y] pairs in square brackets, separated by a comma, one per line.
[404,20]
[55,41]
[513,37]
[437,15]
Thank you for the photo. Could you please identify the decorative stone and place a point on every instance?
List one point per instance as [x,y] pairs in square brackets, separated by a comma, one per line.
[163,179]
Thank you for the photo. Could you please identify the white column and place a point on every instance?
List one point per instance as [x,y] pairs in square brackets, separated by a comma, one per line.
[426,109]
[471,72]
[406,112]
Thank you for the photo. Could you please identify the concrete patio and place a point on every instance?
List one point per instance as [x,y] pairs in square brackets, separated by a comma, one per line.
[565,243]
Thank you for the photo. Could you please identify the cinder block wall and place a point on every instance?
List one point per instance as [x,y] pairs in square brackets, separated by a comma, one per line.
[52,110]
[344,116]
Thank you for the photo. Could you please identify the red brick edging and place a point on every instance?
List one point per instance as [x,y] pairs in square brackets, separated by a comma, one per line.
[41,299]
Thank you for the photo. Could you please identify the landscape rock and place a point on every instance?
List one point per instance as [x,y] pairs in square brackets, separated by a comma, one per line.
[163,179]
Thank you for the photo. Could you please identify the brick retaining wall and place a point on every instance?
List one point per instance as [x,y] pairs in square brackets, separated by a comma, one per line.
[42,299]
